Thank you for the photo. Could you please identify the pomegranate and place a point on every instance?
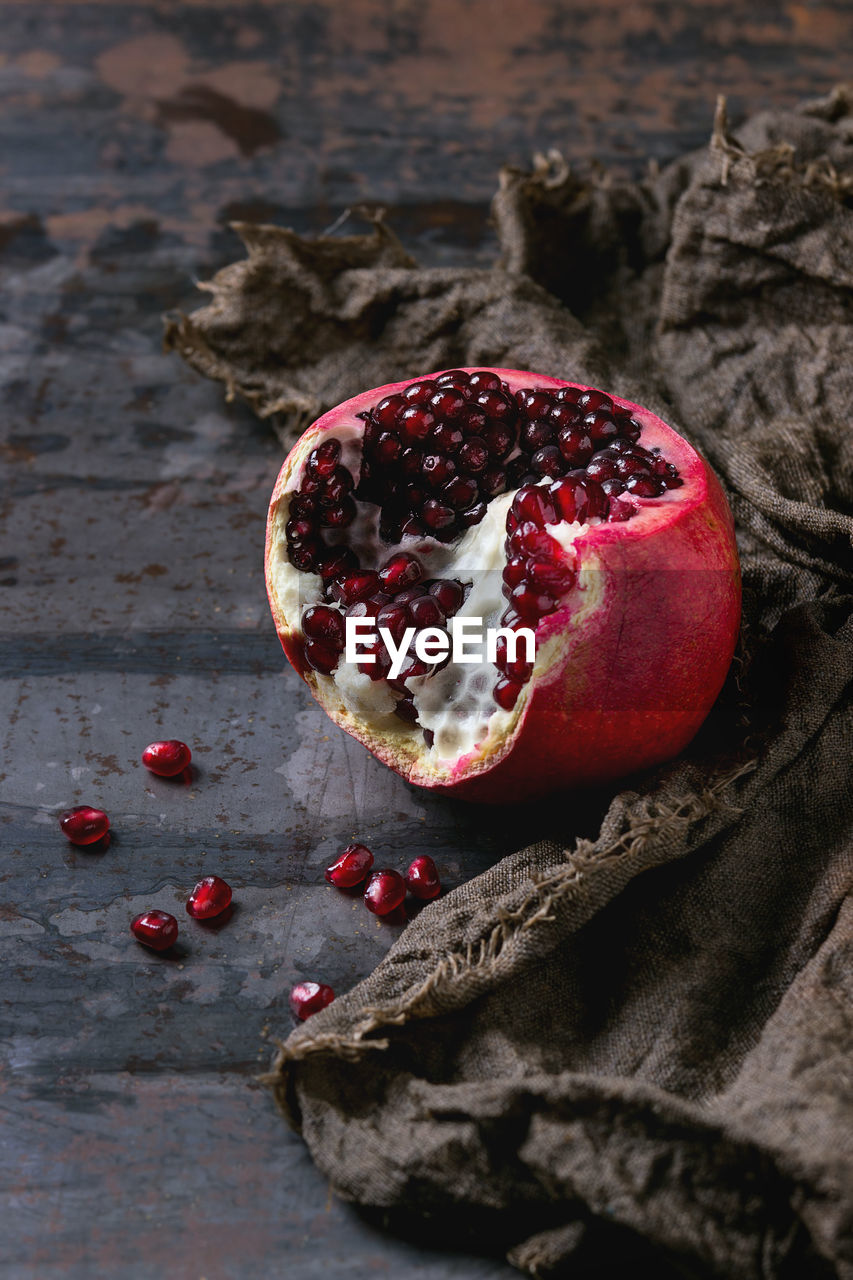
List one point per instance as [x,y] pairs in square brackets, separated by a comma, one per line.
[84,825]
[155,929]
[309,997]
[504,584]
[166,759]
[209,898]
[351,867]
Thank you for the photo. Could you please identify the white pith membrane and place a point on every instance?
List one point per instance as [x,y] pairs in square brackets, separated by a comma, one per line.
[455,703]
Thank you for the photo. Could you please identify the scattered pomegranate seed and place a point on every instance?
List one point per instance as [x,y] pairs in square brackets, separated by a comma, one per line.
[385,891]
[307,998]
[422,878]
[351,867]
[156,929]
[84,825]
[166,759]
[210,897]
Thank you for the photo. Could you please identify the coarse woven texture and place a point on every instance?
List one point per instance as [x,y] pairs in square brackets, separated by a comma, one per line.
[581,1061]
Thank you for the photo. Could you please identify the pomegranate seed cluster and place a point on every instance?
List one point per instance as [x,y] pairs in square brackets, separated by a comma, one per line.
[433,456]
[385,889]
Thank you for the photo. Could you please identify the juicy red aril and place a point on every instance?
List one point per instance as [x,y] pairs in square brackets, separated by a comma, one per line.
[460,492]
[496,404]
[84,825]
[474,515]
[422,878]
[515,571]
[352,587]
[592,400]
[419,392]
[483,380]
[644,486]
[437,469]
[209,898]
[337,486]
[395,619]
[415,423]
[385,891]
[473,456]
[493,481]
[437,515]
[446,437]
[499,439]
[426,612]
[506,693]
[297,530]
[530,603]
[385,413]
[449,593]
[351,867]
[388,448]
[399,572]
[600,426]
[323,460]
[544,575]
[575,445]
[453,378]
[548,461]
[307,998]
[446,402]
[306,555]
[168,758]
[530,540]
[535,404]
[156,929]
[338,515]
[533,503]
[322,656]
[322,623]
[536,434]
[338,562]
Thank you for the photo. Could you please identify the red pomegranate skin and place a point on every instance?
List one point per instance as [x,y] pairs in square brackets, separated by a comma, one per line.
[628,681]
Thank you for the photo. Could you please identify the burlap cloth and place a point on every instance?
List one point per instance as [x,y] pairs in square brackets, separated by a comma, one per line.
[641,1045]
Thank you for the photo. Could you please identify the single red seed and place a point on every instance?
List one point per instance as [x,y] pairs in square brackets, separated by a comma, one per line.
[322,623]
[536,434]
[385,890]
[460,492]
[449,593]
[548,461]
[515,571]
[323,460]
[322,656]
[399,572]
[473,515]
[420,392]
[395,619]
[437,515]
[350,867]
[84,825]
[338,485]
[338,515]
[422,878]
[438,470]
[506,693]
[447,402]
[415,423]
[575,445]
[530,603]
[446,437]
[426,612]
[300,528]
[544,575]
[536,404]
[533,503]
[483,380]
[168,758]
[473,456]
[308,998]
[352,587]
[385,413]
[452,378]
[156,929]
[592,400]
[644,486]
[388,448]
[210,897]
[337,562]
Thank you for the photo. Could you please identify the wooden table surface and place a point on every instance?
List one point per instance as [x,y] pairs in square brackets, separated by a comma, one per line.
[136,1140]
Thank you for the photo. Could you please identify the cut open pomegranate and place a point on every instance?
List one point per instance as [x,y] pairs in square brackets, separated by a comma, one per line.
[568,541]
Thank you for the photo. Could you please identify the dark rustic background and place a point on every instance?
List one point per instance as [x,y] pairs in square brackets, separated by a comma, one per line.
[136,1141]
